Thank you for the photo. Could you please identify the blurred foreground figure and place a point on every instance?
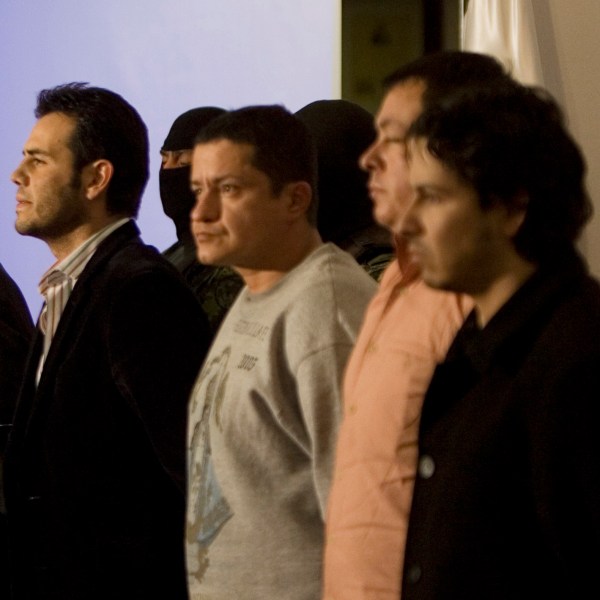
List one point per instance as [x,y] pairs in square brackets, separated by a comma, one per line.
[507,499]
[16,330]
[406,332]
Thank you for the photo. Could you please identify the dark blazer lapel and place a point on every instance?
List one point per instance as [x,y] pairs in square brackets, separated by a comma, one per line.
[80,300]
[81,297]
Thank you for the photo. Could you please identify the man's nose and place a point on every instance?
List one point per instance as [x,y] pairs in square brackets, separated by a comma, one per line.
[369,157]
[18,175]
[206,206]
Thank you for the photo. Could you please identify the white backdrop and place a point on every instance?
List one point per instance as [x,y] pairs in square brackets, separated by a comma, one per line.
[164,58]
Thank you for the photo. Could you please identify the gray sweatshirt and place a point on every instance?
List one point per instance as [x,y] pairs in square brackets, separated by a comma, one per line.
[263,421]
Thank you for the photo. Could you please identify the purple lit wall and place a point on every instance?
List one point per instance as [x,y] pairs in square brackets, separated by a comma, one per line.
[164,58]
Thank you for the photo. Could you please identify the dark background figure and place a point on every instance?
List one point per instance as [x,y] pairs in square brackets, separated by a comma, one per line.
[342,131]
[16,329]
[214,287]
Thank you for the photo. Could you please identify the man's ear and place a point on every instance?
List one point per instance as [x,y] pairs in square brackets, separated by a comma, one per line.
[516,213]
[96,176]
[299,195]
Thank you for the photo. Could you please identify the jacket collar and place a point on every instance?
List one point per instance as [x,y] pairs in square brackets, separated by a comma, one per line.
[520,318]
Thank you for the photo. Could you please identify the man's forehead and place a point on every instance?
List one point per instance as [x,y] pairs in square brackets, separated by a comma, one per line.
[402,104]
[416,146]
[51,132]
[225,148]
[57,121]
[222,157]
[416,153]
[425,168]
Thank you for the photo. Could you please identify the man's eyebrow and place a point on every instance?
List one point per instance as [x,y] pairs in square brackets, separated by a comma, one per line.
[35,151]
[220,178]
[389,122]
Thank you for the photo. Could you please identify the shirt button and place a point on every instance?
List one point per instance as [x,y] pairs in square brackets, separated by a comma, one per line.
[413,574]
[426,466]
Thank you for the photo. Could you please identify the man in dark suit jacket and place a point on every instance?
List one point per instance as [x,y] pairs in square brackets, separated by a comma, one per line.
[96,462]
[15,335]
[507,497]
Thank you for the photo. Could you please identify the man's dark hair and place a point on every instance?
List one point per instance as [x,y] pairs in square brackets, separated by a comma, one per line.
[511,145]
[106,127]
[283,147]
[445,72]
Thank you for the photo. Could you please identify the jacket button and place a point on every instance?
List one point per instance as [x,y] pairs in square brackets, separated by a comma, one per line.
[413,574]
[426,466]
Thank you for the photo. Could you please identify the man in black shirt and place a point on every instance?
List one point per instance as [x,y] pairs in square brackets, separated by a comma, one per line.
[507,497]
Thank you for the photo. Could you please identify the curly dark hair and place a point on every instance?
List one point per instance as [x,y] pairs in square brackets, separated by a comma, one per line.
[510,143]
[106,127]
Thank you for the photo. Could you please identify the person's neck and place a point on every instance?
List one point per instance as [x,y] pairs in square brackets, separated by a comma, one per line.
[63,245]
[260,280]
[497,294]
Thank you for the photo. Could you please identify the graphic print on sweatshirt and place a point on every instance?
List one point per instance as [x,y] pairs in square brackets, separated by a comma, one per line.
[208,510]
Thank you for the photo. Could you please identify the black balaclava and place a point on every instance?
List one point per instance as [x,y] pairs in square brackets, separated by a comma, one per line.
[342,131]
[175,194]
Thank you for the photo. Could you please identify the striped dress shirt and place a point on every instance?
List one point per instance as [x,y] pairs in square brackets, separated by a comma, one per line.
[58,282]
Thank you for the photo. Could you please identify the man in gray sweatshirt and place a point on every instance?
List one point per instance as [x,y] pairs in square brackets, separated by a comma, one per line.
[266,406]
